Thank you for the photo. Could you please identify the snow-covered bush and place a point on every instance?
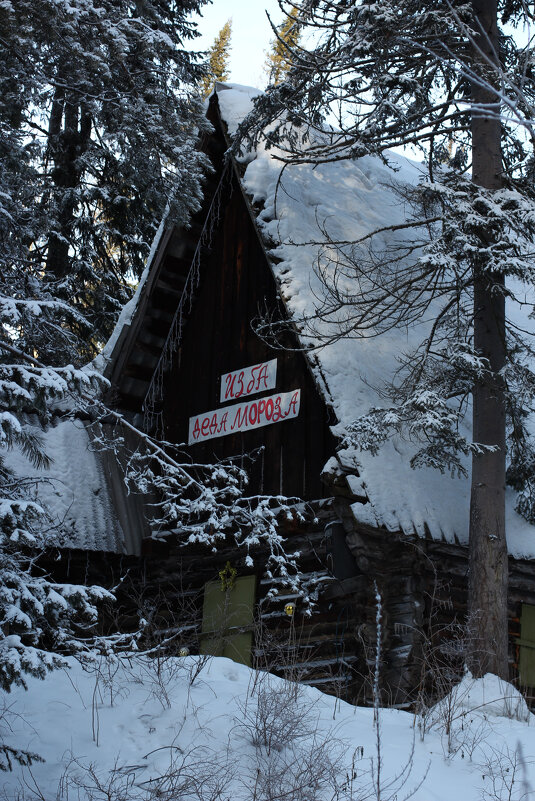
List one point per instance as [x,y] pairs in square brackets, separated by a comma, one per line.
[292,757]
[209,504]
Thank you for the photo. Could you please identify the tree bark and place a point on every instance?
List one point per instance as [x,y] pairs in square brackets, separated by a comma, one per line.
[488,567]
[66,145]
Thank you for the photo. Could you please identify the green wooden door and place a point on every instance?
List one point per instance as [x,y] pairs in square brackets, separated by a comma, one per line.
[526,664]
[224,611]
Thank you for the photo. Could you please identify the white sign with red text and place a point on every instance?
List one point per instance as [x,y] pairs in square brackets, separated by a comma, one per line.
[248,381]
[244,416]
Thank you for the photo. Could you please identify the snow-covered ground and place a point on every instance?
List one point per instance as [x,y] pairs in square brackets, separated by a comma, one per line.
[212,730]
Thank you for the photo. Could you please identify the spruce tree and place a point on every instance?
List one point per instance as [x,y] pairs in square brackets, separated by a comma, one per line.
[99,116]
[102,99]
[425,75]
[279,59]
[219,55]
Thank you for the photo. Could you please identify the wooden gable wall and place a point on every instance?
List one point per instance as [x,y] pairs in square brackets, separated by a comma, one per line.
[236,284]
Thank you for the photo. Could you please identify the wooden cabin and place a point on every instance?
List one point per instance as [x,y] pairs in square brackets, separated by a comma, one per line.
[188,364]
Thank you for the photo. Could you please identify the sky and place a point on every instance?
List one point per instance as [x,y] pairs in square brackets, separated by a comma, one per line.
[251,35]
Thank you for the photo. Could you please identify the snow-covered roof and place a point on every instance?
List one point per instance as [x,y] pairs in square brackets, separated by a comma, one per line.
[77,490]
[352,199]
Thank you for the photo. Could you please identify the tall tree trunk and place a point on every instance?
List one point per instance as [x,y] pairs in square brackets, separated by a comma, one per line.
[66,145]
[488,577]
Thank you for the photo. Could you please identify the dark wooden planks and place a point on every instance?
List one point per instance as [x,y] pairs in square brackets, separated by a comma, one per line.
[236,281]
